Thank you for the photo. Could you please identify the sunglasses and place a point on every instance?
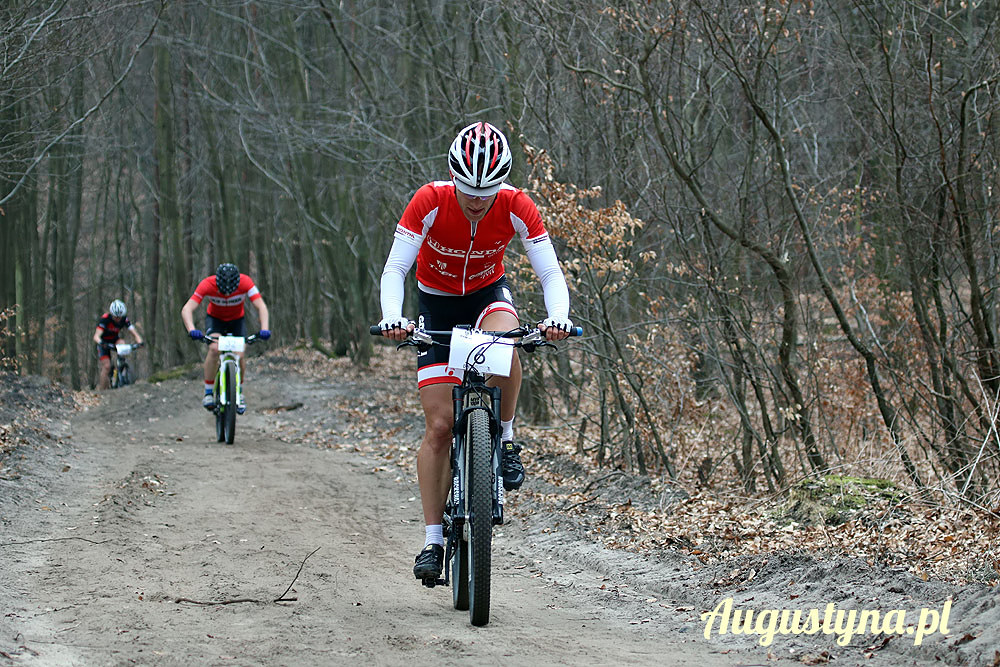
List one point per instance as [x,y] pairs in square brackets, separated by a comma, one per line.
[474,196]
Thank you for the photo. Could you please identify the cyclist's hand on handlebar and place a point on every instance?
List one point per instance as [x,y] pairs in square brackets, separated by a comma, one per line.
[555,329]
[396,328]
[196,334]
[264,334]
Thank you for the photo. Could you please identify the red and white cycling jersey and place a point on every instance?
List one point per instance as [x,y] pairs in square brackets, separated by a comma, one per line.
[453,260]
[226,307]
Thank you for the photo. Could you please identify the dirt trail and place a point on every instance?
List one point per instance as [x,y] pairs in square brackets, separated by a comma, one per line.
[134,506]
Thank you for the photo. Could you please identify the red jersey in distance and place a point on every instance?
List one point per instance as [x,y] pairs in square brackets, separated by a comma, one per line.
[226,307]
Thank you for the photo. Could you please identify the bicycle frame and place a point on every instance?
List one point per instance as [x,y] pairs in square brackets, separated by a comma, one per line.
[226,359]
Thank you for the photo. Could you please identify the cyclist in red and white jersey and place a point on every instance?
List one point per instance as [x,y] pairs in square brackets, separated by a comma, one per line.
[226,293]
[457,232]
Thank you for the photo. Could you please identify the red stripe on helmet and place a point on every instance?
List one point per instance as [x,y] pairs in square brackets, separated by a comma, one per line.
[482,135]
[492,138]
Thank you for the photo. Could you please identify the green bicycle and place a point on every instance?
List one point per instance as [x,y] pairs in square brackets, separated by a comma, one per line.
[227,382]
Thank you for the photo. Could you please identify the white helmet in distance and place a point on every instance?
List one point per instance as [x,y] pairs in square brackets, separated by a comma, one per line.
[117,308]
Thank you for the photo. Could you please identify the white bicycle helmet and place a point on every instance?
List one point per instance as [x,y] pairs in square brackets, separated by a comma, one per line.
[117,308]
[479,160]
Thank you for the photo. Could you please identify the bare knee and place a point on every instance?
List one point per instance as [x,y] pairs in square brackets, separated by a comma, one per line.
[438,432]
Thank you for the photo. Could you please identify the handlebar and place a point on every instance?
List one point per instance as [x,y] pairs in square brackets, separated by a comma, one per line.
[112,346]
[522,331]
[531,338]
[208,339]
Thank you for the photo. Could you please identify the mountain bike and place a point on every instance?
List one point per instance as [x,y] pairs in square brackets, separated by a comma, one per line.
[227,382]
[476,499]
[120,374]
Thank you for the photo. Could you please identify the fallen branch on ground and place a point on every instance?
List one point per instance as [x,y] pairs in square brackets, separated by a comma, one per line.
[280,598]
[52,539]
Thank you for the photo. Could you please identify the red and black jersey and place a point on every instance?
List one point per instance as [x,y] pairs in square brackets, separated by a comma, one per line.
[226,307]
[111,330]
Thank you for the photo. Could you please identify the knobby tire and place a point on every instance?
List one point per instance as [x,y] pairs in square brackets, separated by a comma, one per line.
[480,494]
[230,407]
[124,377]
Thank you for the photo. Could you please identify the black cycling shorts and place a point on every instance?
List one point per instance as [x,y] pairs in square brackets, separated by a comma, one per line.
[104,349]
[235,327]
[443,313]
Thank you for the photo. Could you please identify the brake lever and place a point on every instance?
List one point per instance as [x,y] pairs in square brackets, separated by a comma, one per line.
[421,345]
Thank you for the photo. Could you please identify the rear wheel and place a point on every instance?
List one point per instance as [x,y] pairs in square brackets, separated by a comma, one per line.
[229,413]
[480,519]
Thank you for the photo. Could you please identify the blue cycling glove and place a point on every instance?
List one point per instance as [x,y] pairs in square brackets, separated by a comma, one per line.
[264,334]
[196,334]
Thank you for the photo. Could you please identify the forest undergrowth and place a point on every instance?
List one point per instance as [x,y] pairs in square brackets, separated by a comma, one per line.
[882,521]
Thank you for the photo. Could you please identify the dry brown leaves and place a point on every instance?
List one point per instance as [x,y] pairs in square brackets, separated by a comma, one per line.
[931,541]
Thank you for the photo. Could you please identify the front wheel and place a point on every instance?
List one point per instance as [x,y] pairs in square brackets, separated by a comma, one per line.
[124,376]
[229,413]
[480,516]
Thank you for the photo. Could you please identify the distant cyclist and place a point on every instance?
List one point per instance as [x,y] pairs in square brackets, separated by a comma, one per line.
[226,291]
[457,231]
[108,332]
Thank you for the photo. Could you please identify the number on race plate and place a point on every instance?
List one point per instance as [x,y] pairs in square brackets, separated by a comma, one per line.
[469,346]
[231,343]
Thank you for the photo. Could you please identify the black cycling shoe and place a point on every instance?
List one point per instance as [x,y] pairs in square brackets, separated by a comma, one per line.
[429,562]
[511,467]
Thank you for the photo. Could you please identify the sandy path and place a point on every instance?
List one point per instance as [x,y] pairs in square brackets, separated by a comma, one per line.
[164,512]
[137,506]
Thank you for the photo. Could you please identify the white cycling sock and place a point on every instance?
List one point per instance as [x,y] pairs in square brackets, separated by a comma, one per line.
[508,430]
[433,535]
[209,387]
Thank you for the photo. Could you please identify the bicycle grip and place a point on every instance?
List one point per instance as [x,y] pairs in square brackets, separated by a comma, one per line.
[375,330]
[576,331]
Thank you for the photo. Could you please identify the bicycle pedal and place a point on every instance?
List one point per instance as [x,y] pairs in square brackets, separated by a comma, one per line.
[431,582]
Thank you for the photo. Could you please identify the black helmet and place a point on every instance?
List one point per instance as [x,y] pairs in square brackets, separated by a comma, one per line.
[227,278]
